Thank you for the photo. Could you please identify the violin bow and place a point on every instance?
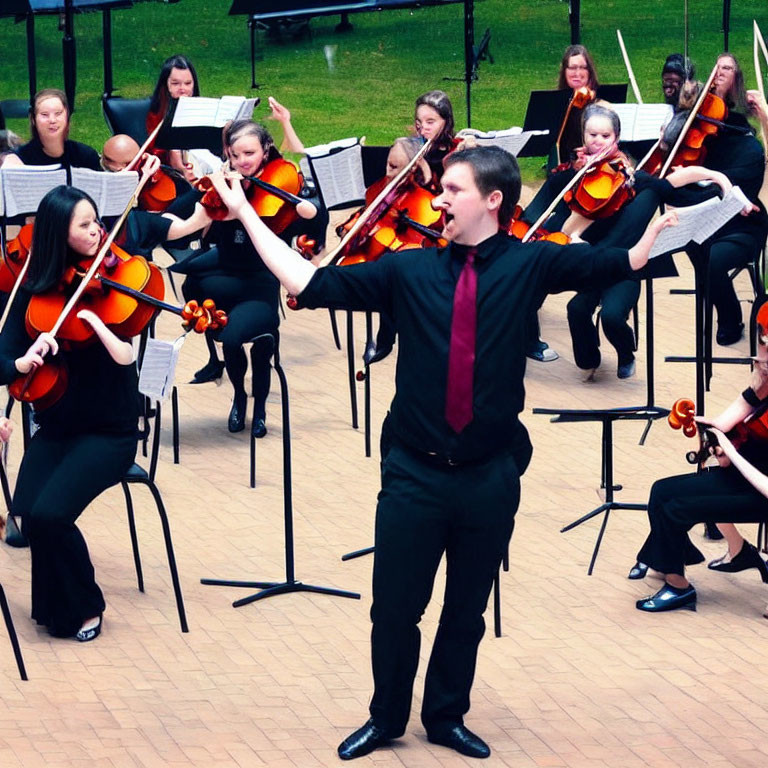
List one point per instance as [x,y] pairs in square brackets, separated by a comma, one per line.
[333,256]
[143,148]
[572,183]
[688,122]
[758,44]
[628,65]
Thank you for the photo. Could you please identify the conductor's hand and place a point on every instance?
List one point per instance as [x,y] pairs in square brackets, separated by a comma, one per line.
[33,357]
[231,192]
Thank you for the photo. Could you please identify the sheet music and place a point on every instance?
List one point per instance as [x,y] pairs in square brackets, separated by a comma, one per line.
[340,176]
[698,222]
[197,111]
[641,122]
[24,188]
[326,149]
[511,139]
[731,205]
[158,368]
[111,191]
[204,162]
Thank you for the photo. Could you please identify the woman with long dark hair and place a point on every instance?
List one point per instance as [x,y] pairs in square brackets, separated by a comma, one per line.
[86,441]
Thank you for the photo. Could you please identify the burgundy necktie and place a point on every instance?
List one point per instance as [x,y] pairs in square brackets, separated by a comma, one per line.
[461,355]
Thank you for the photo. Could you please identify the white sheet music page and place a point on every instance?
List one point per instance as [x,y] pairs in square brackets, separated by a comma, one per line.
[641,122]
[340,176]
[24,188]
[690,219]
[511,139]
[158,369]
[731,205]
[111,191]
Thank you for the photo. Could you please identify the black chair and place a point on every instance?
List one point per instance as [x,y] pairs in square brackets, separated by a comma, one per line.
[137,475]
[126,116]
[15,108]
[12,634]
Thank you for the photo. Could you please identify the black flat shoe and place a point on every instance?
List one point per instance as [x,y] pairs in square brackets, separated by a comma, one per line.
[748,557]
[363,741]
[213,370]
[236,422]
[460,739]
[258,428]
[668,599]
[638,571]
[13,535]
[86,635]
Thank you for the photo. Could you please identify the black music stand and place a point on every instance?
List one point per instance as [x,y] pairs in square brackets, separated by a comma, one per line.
[269,588]
[30,8]
[607,416]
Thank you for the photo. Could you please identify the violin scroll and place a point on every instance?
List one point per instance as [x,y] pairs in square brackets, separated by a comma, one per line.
[682,417]
[201,318]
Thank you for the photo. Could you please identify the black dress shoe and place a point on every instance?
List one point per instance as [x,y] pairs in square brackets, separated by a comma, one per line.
[236,421]
[748,557]
[363,741]
[669,598]
[211,371]
[638,571]
[258,428]
[461,739]
[86,635]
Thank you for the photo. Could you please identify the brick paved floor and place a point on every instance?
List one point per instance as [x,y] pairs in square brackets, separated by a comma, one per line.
[579,677]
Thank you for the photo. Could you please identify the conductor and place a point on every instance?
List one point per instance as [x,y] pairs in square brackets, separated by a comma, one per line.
[451,479]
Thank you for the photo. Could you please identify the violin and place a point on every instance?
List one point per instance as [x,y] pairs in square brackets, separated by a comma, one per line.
[754,427]
[603,189]
[580,98]
[14,258]
[407,221]
[125,292]
[159,192]
[273,195]
[522,231]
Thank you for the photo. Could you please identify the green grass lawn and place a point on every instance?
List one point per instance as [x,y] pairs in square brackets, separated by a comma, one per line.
[381,66]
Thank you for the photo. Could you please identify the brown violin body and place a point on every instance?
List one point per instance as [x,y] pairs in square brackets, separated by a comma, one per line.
[406,220]
[602,191]
[277,212]
[16,253]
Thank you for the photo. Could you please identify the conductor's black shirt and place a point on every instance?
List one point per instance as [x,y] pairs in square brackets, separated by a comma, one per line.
[415,288]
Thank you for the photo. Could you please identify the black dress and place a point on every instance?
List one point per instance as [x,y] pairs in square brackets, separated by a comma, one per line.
[85,444]
[76,155]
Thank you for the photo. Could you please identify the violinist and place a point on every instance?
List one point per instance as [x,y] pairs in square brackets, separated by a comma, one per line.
[49,123]
[735,152]
[177,78]
[732,492]
[434,120]
[577,72]
[234,276]
[86,441]
[677,70]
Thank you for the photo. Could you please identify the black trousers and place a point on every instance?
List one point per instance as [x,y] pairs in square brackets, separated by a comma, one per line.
[59,477]
[676,504]
[727,252]
[425,510]
[617,302]
[251,305]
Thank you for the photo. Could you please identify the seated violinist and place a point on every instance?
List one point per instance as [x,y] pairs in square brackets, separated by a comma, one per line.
[735,491]
[677,70]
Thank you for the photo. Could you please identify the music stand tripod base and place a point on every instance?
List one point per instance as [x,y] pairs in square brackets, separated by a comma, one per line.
[269,588]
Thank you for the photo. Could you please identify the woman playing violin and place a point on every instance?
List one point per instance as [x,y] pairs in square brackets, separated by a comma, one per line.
[86,441]
[735,491]
[49,123]
[434,120]
[235,277]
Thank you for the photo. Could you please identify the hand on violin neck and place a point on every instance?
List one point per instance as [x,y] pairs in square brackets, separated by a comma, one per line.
[150,164]
[230,189]
[6,429]
[33,357]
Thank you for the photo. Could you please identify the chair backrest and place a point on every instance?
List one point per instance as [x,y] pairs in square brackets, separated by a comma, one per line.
[126,116]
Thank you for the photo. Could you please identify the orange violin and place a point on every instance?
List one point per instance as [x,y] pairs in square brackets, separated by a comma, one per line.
[16,252]
[159,192]
[406,220]
[520,229]
[602,191]
[754,427]
[273,195]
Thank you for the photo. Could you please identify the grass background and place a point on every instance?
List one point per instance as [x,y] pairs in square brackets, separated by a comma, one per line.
[381,66]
